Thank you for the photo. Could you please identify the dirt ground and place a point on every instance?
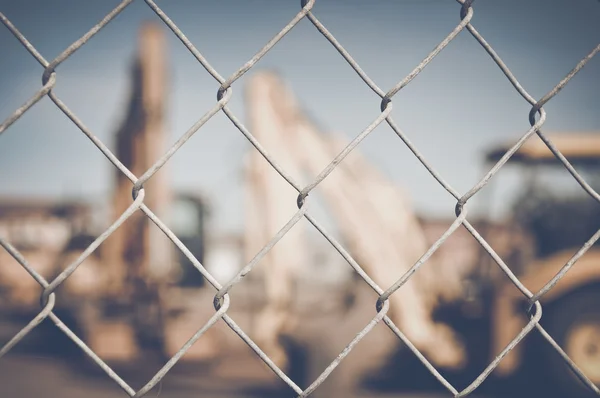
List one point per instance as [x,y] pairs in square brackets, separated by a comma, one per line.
[36,377]
[35,368]
[33,371]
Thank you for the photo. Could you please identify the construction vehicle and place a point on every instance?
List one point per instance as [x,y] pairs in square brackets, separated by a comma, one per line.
[548,225]
[554,223]
[368,210]
[116,299]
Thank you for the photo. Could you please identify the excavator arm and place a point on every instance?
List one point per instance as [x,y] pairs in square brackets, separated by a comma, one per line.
[372,215]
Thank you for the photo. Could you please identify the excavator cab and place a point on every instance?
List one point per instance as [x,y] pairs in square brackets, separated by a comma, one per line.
[552,219]
[189,213]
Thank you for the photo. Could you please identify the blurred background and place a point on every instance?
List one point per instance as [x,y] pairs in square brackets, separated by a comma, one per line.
[137,299]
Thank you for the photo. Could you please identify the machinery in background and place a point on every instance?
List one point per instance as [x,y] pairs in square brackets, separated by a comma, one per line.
[138,292]
[554,224]
[373,216]
[381,231]
[117,299]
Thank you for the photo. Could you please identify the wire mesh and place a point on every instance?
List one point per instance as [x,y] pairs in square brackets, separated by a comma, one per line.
[537,117]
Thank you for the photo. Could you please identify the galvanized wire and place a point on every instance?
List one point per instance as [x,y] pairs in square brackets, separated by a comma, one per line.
[224,94]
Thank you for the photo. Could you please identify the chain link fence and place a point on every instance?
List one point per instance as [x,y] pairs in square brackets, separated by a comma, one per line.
[537,116]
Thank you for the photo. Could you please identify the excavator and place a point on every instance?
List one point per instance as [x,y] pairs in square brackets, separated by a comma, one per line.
[374,218]
[381,232]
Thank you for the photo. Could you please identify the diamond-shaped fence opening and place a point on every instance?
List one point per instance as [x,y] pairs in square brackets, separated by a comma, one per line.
[139,205]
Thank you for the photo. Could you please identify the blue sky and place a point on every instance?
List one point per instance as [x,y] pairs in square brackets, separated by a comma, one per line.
[457,107]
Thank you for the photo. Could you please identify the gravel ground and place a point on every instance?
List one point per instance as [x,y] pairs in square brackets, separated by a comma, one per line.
[49,377]
[238,374]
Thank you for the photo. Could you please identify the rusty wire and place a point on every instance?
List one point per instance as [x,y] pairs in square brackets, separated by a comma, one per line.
[224,94]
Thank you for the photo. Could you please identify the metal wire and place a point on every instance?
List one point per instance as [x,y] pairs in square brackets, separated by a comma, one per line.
[224,94]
